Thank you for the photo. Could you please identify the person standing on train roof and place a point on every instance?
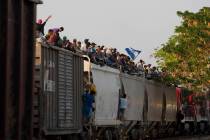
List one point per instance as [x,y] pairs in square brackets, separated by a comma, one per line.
[140,67]
[85,46]
[40,25]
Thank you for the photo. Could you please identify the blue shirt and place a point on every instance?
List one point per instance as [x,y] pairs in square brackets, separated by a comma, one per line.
[88,100]
[123,103]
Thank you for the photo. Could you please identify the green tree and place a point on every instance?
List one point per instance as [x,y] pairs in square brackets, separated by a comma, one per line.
[186,55]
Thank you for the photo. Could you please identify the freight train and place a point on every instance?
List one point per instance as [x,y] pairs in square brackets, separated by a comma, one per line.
[151,110]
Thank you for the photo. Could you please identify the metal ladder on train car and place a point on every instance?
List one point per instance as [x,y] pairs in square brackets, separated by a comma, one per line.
[36,93]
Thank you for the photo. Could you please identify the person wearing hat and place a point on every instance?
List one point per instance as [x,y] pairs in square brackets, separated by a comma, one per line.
[93,49]
[79,45]
[74,43]
[65,42]
[86,41]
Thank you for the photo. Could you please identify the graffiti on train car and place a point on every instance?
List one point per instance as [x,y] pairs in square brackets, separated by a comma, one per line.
[49,85]
[49,82]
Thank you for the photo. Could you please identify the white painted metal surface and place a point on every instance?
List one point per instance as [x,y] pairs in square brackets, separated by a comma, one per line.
[107,84]
[86,66]
[155,100]
[134,89]
[171,104]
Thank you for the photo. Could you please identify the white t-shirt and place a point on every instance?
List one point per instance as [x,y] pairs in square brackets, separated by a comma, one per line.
[83,47]
[140,66]
[123,103]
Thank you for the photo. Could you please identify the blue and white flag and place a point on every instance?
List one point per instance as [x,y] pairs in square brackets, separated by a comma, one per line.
[132,53]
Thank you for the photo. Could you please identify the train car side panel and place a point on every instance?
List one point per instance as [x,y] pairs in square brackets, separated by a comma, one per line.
[49,88]
[61,91]
[171,103]
[155,100]
[78,90]
[134,89]
[107,97]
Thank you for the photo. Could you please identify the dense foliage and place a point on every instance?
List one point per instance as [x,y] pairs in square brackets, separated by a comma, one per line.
[186,55]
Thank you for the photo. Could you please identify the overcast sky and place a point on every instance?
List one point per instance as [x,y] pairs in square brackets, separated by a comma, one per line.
[141,24]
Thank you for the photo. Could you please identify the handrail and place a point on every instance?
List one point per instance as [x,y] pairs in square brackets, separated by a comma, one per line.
[36,1]
[85,56]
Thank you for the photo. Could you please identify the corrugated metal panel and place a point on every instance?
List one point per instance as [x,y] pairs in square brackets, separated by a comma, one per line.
[65,90]
[62,86]
[49,82]
[78,90]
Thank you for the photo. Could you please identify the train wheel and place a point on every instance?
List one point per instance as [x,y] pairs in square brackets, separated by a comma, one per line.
[154,133]
[135,134]
[202,127]
[72,137]
[187,128]
[85,136]
[116,134]
[108,135]
[171,132]
[42,136]
[141,133]
[76,137]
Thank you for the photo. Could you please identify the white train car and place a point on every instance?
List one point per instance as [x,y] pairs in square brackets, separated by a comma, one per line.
[149,102]
[107,83]
[134,88]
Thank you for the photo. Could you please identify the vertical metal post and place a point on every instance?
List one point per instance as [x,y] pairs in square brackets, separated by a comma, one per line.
[85,56]
[17,25]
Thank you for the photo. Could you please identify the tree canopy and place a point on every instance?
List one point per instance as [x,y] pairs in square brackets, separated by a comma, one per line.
[186,55]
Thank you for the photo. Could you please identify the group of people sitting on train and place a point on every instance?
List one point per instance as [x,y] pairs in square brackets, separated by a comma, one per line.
[99,54]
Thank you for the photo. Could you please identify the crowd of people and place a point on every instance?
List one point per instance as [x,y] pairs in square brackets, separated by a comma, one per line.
[98,54]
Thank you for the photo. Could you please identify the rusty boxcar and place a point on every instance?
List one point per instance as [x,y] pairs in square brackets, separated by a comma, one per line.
[58,91]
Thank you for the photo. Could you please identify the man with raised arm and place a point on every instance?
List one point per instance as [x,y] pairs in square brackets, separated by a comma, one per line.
[40,26]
